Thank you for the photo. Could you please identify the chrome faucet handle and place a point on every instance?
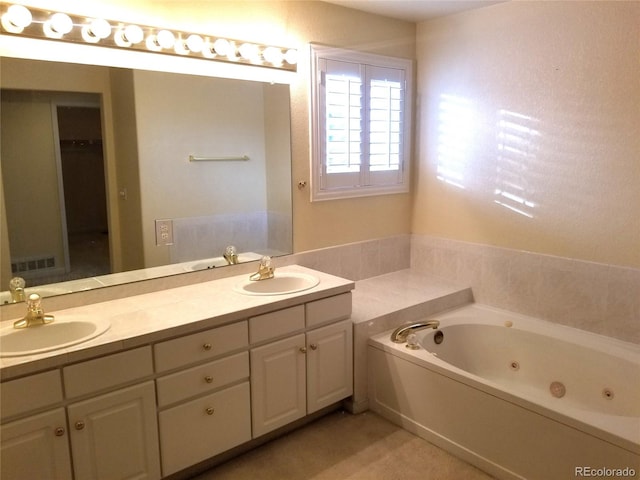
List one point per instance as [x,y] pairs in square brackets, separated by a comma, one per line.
[35,314]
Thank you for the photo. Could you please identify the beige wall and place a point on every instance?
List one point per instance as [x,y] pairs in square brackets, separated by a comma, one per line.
[289,23]
[540,100]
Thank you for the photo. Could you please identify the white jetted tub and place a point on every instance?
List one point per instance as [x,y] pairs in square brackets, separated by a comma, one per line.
[517,396]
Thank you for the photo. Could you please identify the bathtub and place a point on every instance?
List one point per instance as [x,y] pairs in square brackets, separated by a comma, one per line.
[516,396]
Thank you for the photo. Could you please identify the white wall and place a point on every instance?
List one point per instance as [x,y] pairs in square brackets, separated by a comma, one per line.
[540,100]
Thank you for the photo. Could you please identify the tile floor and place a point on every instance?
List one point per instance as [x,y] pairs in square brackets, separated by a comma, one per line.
[341,446]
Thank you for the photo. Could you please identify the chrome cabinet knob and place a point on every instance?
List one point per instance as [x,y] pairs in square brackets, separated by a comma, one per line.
[207,346]
[208,379]
[314,346]
[59,431]
[209,410]
[303,349]
[79,425]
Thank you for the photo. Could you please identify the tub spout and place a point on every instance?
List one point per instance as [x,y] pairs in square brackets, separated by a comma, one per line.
[400,334]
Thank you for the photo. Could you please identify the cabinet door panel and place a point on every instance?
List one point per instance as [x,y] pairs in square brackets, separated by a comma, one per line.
[115,436]
[205,427]
[278,394]
[32,450]
[329,365]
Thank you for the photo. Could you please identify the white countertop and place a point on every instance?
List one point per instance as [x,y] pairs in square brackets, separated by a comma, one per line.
[143,319]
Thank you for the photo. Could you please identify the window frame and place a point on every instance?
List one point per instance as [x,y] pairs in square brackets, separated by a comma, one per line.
[319,188]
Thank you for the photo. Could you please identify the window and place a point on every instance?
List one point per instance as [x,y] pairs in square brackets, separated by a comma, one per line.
[361,123]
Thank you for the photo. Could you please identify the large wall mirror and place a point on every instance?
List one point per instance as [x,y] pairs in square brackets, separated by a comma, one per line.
[112,175]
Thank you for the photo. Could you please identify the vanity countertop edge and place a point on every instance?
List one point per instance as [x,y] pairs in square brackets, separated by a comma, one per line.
[153,317]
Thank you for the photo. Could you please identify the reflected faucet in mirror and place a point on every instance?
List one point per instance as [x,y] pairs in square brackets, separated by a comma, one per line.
[16,287]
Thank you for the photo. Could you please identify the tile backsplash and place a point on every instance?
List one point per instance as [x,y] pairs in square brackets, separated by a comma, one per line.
[603,299]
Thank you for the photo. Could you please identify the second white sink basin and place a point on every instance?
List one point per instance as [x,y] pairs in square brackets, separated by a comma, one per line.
[282,283]
[61,333]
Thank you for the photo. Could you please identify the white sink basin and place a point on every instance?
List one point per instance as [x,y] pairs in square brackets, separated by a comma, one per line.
[281,284]
[61,333]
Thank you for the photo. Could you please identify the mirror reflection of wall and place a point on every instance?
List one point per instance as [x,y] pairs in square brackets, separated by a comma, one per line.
[145,126]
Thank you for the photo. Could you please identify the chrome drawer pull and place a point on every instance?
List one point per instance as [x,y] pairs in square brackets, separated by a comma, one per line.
[208,379]
[209,410]
[207,346]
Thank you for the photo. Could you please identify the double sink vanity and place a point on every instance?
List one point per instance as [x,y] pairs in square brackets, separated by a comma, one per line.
[150,385]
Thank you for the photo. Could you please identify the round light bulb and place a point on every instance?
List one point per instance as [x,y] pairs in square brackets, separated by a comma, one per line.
[273,55]
[291,57]
[133,34]
[195,43]
[221,46]
[95,31]
[249,51]
[58,25]
[165,39]
[16,18]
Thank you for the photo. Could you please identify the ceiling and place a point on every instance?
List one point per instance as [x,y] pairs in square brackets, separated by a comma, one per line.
[414,10]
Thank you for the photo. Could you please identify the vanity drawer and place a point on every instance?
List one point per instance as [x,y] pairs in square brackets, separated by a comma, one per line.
[329,309]
[200,379]
[275,324]
[202,428]
[200,346]
[110,371]
[30,393]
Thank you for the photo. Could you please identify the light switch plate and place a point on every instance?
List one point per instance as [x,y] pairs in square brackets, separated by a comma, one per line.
[164,232]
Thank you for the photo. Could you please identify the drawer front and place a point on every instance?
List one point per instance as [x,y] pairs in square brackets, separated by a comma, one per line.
[200,379]
[328,310]
[275,324]
[110,371]
[204,427]
[30,393]
[200,346]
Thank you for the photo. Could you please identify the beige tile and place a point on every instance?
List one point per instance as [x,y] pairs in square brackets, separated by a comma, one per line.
[341,446]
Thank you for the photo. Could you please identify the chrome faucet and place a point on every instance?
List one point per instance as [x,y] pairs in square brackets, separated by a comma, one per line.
[401,333]
[35,314]
[230,255]
[265,270]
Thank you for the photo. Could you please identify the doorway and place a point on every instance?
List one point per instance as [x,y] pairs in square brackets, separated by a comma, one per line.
[83,178]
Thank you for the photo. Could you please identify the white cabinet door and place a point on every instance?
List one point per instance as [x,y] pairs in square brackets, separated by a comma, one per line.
[115,435]
[204,427]
[329,365]
[36,447]
[278,392]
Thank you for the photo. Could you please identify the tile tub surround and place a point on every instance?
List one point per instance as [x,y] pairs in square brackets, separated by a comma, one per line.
[386,301]
[142,319]
[603,299]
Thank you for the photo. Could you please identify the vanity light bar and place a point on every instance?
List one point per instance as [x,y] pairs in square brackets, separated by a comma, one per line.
[45,24]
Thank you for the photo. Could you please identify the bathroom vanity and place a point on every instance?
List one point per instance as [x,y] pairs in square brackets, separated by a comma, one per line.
[181,376]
